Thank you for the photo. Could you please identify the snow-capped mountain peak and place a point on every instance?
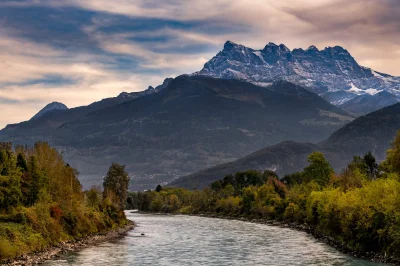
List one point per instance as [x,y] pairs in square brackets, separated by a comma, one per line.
[332,69]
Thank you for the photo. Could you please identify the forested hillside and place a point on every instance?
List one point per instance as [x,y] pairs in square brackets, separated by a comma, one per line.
[42,202]
[372,132]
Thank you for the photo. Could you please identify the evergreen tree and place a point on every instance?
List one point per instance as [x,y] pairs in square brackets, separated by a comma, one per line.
[38,180]
[21,162]
[319,169]
[371,165]
[10,180]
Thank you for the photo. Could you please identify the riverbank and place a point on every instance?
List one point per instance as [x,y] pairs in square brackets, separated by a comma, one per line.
[69,246]
[369,256]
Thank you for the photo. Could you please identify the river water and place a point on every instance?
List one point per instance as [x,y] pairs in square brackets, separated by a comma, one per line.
[190,240]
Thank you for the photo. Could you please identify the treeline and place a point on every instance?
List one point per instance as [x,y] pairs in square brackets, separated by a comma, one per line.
[360,207]
[42,202]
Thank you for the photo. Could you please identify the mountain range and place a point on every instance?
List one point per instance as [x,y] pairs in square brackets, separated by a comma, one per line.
[243,100]
[332,72]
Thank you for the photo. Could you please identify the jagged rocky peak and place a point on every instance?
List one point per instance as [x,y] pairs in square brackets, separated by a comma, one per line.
[149,90]
[312,48]
[124,95]
[50,107]
[162,86]
[271,47]
[298,51]
[337,50]
[284,48]
[229,45]
[166,82]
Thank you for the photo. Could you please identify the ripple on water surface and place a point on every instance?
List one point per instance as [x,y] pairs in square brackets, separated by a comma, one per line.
[189,240]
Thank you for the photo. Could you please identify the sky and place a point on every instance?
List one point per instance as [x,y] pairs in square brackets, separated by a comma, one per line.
[80,51]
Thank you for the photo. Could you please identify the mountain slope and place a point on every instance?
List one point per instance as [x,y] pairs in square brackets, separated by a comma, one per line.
[197,122]
[367,103]
[194,123]
[329,70]
[291,154]
[373,132]
[49,108]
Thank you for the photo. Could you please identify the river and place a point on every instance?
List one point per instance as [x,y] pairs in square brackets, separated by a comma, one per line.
[189,240]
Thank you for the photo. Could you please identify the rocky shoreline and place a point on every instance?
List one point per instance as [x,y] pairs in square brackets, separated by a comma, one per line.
[369,256]
[39,257]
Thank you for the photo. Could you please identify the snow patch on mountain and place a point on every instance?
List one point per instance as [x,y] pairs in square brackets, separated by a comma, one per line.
[341,101]
[372,91]
[259,54]
[355,90]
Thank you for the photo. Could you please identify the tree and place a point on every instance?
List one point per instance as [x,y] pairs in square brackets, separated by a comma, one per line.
[392,162]
[365,165]
[358,163]
[7,146]
[93,197]
[21,162]
[319,169]
[371,165]
[248,197]
[174,202]
[216,186]
[10,178]
[267,174]
[293,179]
[39,181]
[158,188]
[228,190]
[116,184]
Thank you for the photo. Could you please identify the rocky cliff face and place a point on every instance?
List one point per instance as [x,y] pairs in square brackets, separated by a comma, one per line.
[330,70]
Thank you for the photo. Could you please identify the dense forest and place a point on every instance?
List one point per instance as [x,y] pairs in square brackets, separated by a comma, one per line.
[42,202]
[359,207]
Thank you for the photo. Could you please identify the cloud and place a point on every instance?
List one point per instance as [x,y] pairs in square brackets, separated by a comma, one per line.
[34,74]
[78,52]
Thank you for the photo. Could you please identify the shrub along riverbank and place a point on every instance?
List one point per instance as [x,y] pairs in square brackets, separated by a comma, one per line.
[358,208]
[42,203]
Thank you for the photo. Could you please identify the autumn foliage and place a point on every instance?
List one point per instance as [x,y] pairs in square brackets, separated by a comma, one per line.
[42,202]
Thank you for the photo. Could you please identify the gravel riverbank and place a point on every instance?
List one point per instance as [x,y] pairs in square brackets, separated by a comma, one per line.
[69,246]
